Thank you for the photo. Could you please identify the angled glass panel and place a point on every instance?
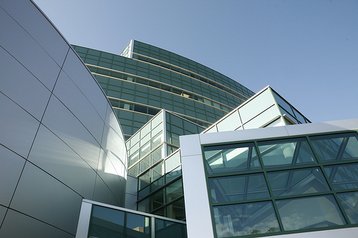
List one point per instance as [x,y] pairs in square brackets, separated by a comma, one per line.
[231,158]
[238,188]
[343,176]
[336,147]
[137,226]
[106,222]
[299,181]
[310,212]
[286,152]
[245,219]
[349,203]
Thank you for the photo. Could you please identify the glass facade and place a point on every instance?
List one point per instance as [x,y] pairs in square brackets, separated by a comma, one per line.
[145,79]
[60,140]
[154,159]
[283,185]
[107,221]
[156,140]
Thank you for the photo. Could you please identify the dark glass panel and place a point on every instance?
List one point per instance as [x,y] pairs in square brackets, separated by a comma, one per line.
[106,223]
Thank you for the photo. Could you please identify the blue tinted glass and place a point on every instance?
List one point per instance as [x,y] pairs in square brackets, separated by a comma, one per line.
[336,147]
[238,188]
[310,212]
[286,152]
[295,182]
[343,176]
[245,219]
[106,222]
[349,202]
[231,158]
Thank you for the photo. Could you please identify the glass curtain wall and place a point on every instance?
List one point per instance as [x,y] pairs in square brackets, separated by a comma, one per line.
[283,186]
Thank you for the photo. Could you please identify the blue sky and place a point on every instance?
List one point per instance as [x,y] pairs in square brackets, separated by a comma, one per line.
[307,50]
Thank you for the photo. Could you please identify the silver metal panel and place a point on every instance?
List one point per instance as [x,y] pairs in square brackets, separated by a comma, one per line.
[17,127]
[56,158]
[10,169]
[78,104]
[44,68]
[20,225]
[86,83]
[84,220]
[45,198]
[62,122]
[28,16]
[197,208]
[37,97]
[102,193]
[344,233]
[2,213]
[190,145]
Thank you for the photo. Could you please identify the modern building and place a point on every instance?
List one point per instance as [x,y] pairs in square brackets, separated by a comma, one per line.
[160,188]
[260,169]
[145,79]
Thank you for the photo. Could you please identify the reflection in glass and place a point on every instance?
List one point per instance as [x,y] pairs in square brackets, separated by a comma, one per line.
[231,158]
[106,222]
[174,191]
[349,202]
[343,176]
[295,182]
[238,188]
[165,229]
[336,147]
[245,219]
[176,210]
[137,226]
[286,152]
[310,212]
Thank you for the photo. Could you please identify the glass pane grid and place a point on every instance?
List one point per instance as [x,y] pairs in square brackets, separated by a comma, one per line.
[307,192]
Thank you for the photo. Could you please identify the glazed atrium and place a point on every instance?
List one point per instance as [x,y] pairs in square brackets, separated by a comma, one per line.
[147,143]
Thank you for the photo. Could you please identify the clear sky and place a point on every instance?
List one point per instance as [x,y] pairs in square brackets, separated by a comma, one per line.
[307,50]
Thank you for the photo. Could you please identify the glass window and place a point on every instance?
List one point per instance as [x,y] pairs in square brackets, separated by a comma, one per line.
[231,158]
[336,147]
[158,199]
[172,162]
[238,188]
[286,152]
[137,226]
[245,219]
[165,229]
[176,210]
[299,181]
[349,202]
[343,176]
[174,191]
[310,212]
[106,222]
